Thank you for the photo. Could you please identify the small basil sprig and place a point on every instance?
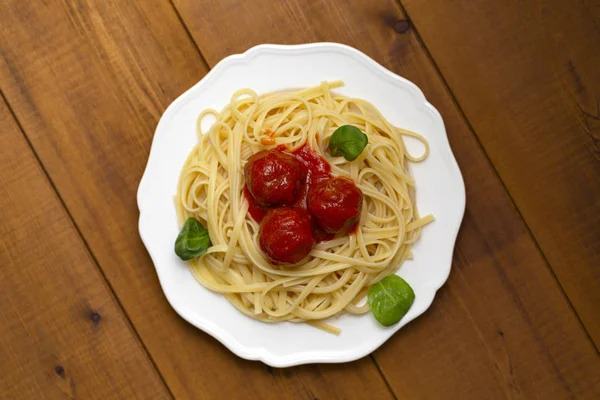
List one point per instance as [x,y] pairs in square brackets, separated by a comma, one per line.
[390,299]
[348,141]
[192,241]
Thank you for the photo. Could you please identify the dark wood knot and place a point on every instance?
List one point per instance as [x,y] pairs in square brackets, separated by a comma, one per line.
[402,26]
[95,317]
[60,371]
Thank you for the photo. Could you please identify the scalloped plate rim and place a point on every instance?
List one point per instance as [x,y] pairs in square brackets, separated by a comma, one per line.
[225,337]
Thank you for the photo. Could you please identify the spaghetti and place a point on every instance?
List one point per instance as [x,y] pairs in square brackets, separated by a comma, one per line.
[337,274]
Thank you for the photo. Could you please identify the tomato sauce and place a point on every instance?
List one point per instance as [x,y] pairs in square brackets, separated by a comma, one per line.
[256,211]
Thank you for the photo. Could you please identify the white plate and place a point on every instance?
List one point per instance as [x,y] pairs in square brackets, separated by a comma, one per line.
[265,68]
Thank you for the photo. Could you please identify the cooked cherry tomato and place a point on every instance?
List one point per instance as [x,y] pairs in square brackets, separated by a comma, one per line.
[336,204]
[273,177]
[285,235]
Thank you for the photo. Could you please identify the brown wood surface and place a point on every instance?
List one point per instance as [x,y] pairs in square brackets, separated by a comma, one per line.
[62,334]
[87,82]
[527,75]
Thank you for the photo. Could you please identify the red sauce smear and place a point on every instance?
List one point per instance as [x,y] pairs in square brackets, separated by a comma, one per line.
[256,211]
[316,168]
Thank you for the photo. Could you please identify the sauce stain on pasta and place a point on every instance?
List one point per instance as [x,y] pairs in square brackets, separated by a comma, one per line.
[267,141]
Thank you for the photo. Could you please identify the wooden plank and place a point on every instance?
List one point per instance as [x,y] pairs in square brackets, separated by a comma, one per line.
[88,82]
[62,334]
[527,75]
[501,326]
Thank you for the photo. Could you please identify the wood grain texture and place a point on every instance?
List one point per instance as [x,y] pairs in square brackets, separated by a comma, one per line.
[527,75]
[62,334]
[501,327]
[89,81]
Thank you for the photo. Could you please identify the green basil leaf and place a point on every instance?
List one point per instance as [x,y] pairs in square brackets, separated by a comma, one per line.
[348,141]
[390,299]
[192,241]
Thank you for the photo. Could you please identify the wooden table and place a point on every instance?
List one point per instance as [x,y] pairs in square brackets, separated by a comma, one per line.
[83,86]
